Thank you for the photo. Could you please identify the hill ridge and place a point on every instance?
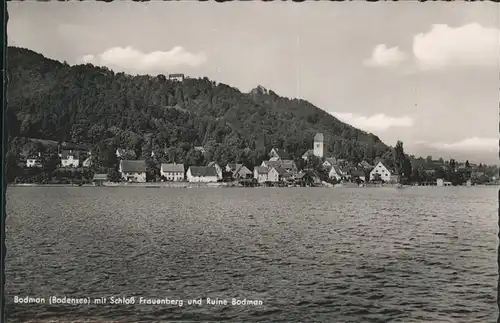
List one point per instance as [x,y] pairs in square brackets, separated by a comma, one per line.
[95,105]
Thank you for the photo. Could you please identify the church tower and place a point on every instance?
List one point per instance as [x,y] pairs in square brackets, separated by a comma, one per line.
[318,145]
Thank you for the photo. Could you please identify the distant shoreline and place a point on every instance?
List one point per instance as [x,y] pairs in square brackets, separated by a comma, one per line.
[226,185]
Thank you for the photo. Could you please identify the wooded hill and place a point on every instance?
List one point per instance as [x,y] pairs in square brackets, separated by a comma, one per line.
[93,105]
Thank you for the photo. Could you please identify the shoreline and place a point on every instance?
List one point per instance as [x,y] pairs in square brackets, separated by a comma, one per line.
[230,185]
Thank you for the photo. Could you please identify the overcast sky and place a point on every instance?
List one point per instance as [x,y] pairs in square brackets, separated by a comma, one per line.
[424,73]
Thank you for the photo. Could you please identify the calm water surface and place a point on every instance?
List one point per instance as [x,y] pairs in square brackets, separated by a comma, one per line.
[310,255]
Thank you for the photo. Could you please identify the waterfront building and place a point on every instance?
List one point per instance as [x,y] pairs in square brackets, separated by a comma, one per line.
[242,173]
[218,169]
[201,174]
[385,173]
[172,172]
[70,158]
[133,170]
[260,174]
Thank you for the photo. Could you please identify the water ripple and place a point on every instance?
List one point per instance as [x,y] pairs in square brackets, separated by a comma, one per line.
[311,255]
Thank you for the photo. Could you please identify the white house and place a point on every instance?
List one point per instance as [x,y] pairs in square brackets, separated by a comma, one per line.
[319,145]
[329,162]
[384,172]
[243,172]
[273,175]
[70,158]
[172,172]
[34,161]
[278,154]
[218,169]
[201,174]
[337,173]
[260,174]
[133,170]
[288,165]
[176,77]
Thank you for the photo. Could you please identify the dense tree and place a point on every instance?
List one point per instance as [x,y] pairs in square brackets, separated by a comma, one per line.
[93,105]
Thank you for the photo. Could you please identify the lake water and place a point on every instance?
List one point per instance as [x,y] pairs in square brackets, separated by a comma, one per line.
[309,254]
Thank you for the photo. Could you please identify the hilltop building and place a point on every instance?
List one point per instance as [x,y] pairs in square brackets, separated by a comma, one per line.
[176,77]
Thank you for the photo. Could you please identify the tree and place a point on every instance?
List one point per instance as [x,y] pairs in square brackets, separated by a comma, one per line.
[407,169]
[93,105]
[453,165]
[399,157]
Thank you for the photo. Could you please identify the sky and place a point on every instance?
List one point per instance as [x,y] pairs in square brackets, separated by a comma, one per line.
[423,73]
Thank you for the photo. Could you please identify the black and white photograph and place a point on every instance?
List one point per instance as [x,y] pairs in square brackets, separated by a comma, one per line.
[250,161]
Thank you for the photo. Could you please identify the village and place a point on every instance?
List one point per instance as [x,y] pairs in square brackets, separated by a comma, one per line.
[280,170]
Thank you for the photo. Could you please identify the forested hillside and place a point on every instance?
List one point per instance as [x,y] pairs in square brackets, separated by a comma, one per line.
[51,100]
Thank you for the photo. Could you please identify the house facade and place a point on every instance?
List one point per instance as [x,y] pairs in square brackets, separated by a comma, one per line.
[260,174]
[278,154]
[273,175]
[172,172]
[336,173]
[133,170]
[176,77]
[288,165]
[243,172]
[283,174]
[34,161]
[218,169]
[201,174]
[384,172]
[329,162]
[70,158]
